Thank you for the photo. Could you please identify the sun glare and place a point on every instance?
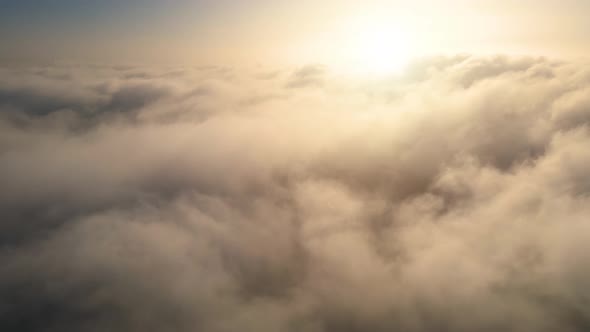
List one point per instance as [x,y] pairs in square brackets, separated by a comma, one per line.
[376,46]
[378,49]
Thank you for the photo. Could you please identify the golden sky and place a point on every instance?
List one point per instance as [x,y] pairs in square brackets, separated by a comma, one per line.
[263,31]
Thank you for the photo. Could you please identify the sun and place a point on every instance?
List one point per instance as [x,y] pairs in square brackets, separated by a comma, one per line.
[365,44]
[373,45]
[379,47]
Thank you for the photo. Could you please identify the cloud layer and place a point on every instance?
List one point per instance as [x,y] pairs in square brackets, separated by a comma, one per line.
[452,198]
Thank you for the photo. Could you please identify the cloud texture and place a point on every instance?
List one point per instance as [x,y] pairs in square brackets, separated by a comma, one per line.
[452,198]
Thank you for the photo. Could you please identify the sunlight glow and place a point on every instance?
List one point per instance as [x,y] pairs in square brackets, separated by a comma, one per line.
[377,47]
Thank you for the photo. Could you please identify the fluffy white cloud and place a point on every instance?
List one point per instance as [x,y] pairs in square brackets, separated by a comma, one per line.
[452,198]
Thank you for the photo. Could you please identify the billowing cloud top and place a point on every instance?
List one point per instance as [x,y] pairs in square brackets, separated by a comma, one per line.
[453,198]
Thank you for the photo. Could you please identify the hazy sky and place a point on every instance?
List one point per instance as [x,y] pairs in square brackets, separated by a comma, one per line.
[264,30]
